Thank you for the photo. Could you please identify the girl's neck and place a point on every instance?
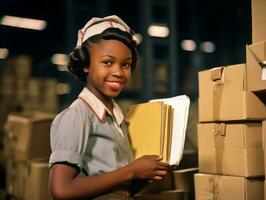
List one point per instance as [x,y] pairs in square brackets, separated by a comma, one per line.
[107,101]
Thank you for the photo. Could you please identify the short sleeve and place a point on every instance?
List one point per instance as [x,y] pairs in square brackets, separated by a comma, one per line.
[69,136]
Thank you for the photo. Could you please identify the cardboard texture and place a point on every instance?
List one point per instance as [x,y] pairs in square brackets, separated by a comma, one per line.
[28,179]
[208,186]
[28,135]
[16,173]
[256,58]
[258,20]
[223,96]
[36,186]
[264,143]
[159,128]
[165,195]
[264,190]
[231,149]
[181,180]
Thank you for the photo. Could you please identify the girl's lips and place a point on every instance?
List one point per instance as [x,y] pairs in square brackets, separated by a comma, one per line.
[115,85]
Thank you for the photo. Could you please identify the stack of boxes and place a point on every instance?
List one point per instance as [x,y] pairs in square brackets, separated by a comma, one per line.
[229,136]
[232,107]
[26,150]
[264,148]
[20,91]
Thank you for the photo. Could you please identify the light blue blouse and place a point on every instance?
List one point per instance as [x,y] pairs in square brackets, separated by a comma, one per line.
[87,135]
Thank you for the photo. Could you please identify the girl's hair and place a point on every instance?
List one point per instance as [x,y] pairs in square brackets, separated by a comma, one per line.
[79,58]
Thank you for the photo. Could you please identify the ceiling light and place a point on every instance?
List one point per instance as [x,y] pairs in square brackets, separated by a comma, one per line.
[207,47]
[21,22]
[188,45]
[158,31]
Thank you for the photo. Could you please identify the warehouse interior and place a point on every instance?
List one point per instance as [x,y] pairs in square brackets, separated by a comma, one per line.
[191,36]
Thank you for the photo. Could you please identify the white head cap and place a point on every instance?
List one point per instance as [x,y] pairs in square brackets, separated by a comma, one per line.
[97,25]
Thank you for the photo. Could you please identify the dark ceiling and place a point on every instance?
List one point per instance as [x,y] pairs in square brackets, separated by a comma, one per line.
[31,41]
[224,22]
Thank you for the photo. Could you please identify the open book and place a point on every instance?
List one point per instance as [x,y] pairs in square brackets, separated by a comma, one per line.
[158,127]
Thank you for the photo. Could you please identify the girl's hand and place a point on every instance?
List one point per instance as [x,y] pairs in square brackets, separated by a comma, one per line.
[149,167]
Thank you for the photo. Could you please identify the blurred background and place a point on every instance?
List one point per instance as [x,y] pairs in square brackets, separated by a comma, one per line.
[188,36]
[177,38]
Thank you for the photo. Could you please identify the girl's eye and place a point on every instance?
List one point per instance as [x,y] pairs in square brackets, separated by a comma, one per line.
[127,65]
[107,62]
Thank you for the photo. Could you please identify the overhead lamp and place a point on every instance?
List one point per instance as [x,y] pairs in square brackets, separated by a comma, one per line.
[207,47]
[21,22]
[188,45]
[158,31]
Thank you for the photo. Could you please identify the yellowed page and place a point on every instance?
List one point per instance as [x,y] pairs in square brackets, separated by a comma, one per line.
[144,127]
[166,133]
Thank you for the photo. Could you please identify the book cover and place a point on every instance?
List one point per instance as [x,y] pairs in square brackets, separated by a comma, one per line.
[159,127]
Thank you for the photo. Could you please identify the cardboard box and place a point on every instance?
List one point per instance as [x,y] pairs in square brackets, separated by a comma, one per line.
[177,184]
[181,179]
[264,142]
[223,96]
[256,64]
[28,135]
[16,173]
[28,179]
[264,190]
[258,20]
[36,186]
[208,186]
[231,149]
[165,195]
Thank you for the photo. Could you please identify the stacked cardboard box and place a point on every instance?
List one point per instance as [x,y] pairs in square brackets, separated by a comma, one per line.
[229,135]
[232,106]
[264,148]
[26,138]
[18,89]
[258,20]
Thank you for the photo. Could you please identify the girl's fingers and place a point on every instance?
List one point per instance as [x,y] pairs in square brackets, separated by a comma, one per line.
[157,178]
[160,167]
[161,172]
[163,164]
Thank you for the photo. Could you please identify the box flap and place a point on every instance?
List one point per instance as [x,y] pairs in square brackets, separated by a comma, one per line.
[258,54]
[255,108]
[217,73]
[256,66]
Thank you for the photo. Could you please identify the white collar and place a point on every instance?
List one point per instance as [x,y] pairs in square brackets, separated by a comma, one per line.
[99,108]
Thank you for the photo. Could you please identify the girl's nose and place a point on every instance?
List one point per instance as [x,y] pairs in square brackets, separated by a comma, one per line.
[117,71]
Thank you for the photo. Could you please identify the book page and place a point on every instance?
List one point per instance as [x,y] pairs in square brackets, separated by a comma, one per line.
[166,139]
[180,105]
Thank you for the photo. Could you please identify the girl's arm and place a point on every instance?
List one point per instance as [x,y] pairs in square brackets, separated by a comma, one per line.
[65,184]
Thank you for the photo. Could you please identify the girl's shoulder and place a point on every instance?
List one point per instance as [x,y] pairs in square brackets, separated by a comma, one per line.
[77,110]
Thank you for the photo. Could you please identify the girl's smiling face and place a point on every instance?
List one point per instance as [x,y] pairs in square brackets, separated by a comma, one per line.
[110,68]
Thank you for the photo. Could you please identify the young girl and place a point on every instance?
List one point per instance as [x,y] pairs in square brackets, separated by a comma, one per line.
[91,155]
